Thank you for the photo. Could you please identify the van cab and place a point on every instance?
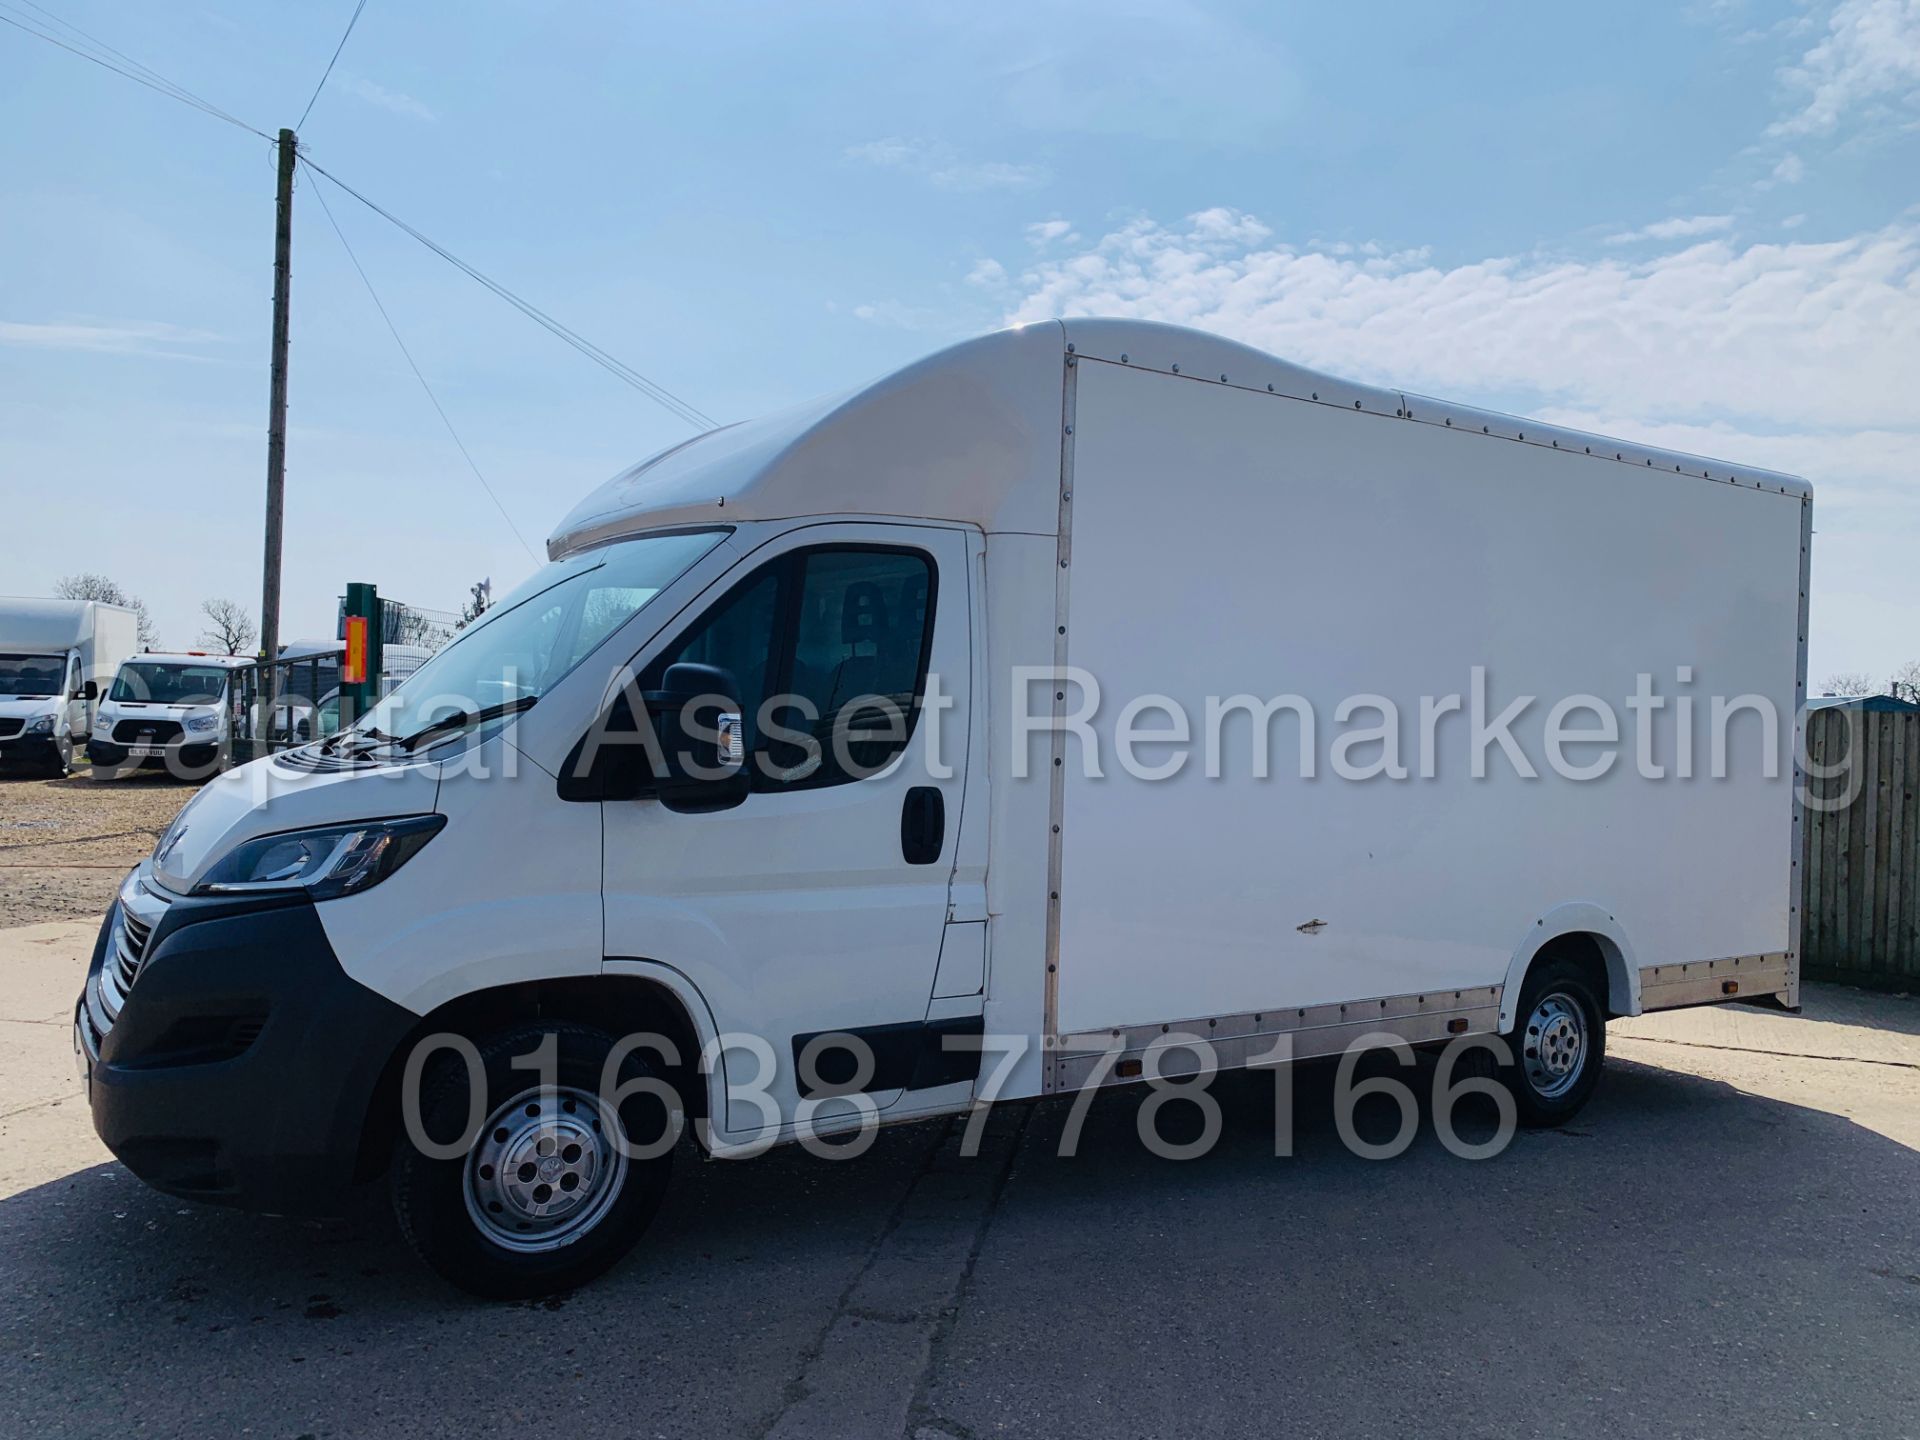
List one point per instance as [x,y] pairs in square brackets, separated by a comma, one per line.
[56,656]
[167,709]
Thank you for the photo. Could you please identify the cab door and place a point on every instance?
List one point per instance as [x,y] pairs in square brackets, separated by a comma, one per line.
[817,904]
[79,721]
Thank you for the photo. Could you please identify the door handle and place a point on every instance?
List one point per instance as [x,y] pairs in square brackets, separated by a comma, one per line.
[923,825]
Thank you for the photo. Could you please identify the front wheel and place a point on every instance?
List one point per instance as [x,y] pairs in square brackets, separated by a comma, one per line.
[566,1166]
[1558,1046]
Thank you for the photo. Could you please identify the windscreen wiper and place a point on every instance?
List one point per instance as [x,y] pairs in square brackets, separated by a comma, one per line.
[373,733]
[461,719]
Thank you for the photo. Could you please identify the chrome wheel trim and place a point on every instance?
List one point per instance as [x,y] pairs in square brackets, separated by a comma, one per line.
[1553,1045]
[546,1169]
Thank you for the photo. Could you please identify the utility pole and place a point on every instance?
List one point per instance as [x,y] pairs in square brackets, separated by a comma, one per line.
[277,419]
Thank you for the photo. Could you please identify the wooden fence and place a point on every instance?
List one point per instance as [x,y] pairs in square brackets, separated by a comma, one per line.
[1861,860]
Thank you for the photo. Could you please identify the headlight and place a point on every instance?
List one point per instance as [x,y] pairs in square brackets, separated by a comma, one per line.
[202,723]
[339,860]
[40,725]
[102,724]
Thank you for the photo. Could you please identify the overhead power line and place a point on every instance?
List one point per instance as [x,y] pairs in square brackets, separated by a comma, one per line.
[440,409]
[331,63]
[654,391]
[97,52]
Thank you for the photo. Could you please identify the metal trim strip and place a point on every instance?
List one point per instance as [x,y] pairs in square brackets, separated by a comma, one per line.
[1056,809]
[1316,1030]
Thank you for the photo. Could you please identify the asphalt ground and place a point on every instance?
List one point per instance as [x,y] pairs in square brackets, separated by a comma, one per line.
[1726,1242]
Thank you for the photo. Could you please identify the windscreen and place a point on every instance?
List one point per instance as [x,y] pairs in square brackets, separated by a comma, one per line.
[31,676]
[519,648]
[153,683]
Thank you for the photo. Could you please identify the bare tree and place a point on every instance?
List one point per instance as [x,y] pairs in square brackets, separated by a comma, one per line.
[88,586]
[1906,681]
[1849,682]
[476,607]
[229,627]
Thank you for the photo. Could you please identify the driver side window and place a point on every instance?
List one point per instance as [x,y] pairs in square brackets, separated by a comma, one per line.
[737,635]
[830,646]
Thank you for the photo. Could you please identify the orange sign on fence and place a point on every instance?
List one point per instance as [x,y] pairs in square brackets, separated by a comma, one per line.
[354,671]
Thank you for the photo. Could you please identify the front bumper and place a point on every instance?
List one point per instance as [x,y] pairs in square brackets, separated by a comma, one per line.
[241,1062]
[38,751]
[191,755]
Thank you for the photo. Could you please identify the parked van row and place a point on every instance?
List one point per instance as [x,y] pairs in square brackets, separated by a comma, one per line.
[73,680]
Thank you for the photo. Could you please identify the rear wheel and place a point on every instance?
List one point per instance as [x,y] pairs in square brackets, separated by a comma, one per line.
[560,1177]
[1559,1044]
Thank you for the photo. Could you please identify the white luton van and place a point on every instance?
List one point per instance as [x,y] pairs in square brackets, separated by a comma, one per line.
[56,657]
[1089,701]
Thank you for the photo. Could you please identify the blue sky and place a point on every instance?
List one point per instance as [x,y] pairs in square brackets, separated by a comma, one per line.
[1692,224]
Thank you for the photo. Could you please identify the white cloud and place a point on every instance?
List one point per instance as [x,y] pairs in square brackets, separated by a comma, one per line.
[1825,334]
[385,99]
[943,167]
[988,274]
[1678,228]
[127,339]
[893,154]
[1223,227]
[1044,232]
[1790,171]
[1869,55]
[1214,79]
[1793,222]
[892,315]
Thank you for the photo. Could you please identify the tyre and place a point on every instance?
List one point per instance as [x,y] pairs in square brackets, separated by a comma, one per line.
[61,765]
[561,1176]
[1559,1044]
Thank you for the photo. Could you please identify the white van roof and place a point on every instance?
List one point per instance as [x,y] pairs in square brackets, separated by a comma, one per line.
[972,434]
[189,657]
[305,649]
[47,626]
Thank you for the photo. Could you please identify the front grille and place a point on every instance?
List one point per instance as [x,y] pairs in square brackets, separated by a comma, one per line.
[11,727]
[146,732]
[134,935]
[130,941]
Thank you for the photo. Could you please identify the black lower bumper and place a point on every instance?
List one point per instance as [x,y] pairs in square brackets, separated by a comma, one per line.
[198,760]
[243,1060]
[29,752]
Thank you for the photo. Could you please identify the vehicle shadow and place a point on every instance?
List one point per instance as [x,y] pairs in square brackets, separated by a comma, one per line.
[1682,1239]
[129,778]
[1867,1009]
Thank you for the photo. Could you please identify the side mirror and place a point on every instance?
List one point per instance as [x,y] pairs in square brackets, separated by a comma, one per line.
[690,752]
[90,691]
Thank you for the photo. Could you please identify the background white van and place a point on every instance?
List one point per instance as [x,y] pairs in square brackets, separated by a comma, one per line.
[55,658]
[167,709]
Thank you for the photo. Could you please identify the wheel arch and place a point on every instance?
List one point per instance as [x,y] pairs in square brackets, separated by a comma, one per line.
[627,997]
[1577,923]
